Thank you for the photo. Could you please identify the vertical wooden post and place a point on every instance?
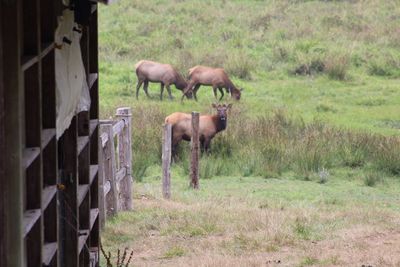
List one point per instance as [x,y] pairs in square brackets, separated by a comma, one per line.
[101,177]
[12,193]
[70,211]
[194,163]
[109,170]
[125,156]
[166,160]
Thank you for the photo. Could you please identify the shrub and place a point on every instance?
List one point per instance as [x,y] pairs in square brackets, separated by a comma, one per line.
[371,179]
[387,64]
[387,156]
[337,66]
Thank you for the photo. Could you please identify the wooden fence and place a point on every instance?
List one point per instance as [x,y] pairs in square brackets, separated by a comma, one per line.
[115,165]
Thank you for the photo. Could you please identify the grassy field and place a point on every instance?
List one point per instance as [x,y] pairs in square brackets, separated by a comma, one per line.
[308,170]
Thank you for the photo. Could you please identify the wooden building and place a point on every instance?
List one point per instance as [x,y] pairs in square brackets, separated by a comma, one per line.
[48,186]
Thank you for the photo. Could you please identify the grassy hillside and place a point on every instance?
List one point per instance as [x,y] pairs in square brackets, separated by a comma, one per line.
[337,61]
[307,171]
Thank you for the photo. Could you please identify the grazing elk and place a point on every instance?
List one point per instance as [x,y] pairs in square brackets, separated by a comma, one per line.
[215,77]
[150,71]
[209,126]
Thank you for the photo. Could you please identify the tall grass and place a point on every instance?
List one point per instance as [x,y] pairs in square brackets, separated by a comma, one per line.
[269,146]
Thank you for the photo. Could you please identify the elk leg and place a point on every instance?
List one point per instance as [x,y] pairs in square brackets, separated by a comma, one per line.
[222,93]
[173,152]
[162,91]
[202,146]
[146,85]
[195,89]
[215,92]
[174,147]
[207,144]
[169,92]
[139,84]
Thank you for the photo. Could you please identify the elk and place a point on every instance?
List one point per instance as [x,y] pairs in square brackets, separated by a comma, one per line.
[215,77]
[150,71]
[209,126]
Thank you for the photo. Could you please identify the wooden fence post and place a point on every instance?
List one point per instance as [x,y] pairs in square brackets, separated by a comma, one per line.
[194,163]
[109,170]
[125,157]
[166,160]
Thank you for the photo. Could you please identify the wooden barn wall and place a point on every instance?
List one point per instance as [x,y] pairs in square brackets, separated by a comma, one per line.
[3,260]
[27,73]
[10,13]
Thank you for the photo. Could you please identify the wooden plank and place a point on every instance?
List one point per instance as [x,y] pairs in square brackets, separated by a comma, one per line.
[93,171]
[94,144]
[82,142]
[68,204]
[47,135]
[29,156]
[125,156]
[30,218]
[28,61]
[48,90]
[120,174]
[50,159]
[12,192]
[92,126]
[94,8]
[83,123]
[107,187]
[94,255]
[49,251]
[104,139]
[46,48]
[102,188]
[83,236]
[33,106]
[94,65]
[166,161]
[107,2]
[82,191]
[194,162]
[118,127]
[93,216]
[47,195]
[92,79]
[4,188]
[109,171]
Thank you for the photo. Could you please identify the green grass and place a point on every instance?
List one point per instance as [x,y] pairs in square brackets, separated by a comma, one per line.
[311,152]
[261,44]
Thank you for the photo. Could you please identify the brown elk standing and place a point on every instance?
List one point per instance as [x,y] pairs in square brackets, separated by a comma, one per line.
[150,71]
[209,126]
[215,77]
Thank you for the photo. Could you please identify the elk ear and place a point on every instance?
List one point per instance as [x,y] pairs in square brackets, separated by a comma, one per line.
[229,106]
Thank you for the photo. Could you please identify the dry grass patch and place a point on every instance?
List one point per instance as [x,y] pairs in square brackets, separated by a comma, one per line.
[245,223]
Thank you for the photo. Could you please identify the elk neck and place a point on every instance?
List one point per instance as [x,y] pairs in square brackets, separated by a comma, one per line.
[220,123]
